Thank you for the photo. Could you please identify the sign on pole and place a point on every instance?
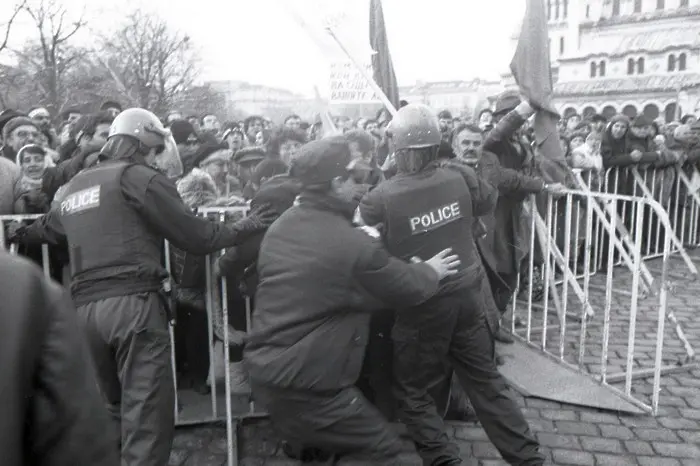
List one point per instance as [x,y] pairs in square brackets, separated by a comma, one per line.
[348,85]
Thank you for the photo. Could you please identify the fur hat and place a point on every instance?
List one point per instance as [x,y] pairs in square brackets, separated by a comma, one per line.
[197,189]
[15,123]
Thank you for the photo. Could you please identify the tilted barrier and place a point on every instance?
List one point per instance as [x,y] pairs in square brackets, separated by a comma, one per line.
[598,257]
[617,334]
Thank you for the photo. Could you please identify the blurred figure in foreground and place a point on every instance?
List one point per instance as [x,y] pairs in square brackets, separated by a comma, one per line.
[52,412]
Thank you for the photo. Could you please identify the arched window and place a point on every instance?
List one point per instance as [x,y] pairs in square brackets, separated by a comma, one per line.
[601,69]
[630,66]
[588,11]
[561,45]
[549,9]
[637,6]
[594,69]
[556,9]
[683,4]
[616,8]
[651,111]
[672,62]
[588,113]
[681,62]
[640,65]
[609,111]
[569,112]
[630,111]
[565,8]
[660,4]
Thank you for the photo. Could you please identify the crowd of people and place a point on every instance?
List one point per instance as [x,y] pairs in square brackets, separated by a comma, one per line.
[417,180]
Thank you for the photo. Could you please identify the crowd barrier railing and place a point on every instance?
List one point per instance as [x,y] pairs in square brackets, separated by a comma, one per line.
[595,247]
[612,347]
[191,407]
[671,190]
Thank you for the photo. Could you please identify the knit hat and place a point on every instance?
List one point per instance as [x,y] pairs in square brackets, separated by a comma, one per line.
[183,132]
[15,123]
[6,115]
[207,152]
[445,114]
[111,104]
[249,155]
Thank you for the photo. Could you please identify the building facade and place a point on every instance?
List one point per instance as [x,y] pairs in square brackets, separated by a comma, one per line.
[625,56]
[459,97]
[255,99]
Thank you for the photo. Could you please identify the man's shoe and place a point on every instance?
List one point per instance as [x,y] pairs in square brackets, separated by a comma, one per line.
[503,337]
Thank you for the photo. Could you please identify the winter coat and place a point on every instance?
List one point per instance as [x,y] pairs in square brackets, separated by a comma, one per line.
[52,412]
[319,280]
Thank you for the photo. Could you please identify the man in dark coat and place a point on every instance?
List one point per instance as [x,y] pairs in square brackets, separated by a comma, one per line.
[507,239]
[320,278]
[52,413]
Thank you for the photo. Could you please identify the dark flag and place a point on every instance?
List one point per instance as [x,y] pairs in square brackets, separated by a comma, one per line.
[533,73]
[382,65]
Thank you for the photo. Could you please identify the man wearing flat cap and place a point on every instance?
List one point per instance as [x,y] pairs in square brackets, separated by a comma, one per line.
[246,160]
[320,277]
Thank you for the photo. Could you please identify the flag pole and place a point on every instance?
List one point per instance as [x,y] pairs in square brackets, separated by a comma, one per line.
[370,80]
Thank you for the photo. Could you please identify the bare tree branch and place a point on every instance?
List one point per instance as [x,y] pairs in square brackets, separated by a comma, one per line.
[8,26]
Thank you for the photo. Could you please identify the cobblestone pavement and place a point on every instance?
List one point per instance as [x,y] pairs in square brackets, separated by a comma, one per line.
[569,435]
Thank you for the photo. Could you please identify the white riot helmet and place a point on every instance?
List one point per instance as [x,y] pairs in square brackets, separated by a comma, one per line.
[148,130]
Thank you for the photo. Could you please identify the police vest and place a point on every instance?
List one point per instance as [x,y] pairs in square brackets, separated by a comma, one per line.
[428,212]
[112,251]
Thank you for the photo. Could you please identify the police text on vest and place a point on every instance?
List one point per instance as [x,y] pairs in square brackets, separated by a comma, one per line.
[80,201]
[435,218]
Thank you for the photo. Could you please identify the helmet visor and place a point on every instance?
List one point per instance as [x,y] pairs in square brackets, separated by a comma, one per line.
[168,160]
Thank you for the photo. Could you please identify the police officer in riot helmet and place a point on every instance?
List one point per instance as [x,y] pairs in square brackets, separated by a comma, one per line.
[422,210]
[114,217]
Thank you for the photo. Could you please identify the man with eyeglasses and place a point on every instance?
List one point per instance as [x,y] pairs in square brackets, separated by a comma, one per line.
[17,133]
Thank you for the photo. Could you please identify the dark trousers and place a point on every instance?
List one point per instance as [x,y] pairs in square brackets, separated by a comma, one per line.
[454,328]
[129,340]
[191,343]
[376,377]
[503,286]
[339,422]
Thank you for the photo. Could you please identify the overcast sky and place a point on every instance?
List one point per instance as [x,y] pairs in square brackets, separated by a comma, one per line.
[259,41]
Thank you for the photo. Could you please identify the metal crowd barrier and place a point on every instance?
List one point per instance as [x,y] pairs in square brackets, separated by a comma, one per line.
[633,303]
[595,246]
[191,407]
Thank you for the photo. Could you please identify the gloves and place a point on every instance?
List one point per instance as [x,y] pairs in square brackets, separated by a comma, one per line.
[258,219]
[14,231]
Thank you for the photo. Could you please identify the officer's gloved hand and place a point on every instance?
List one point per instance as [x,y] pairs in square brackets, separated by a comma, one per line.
[258,219]
[14,231]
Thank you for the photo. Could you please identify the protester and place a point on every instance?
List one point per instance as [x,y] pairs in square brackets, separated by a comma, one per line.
[52,413]
[307,346]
